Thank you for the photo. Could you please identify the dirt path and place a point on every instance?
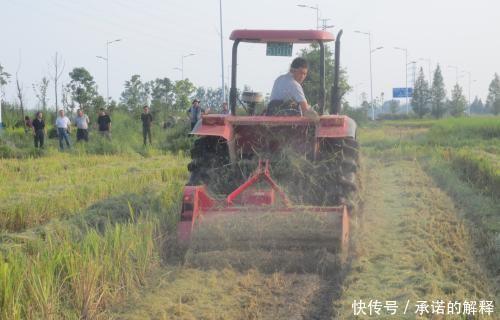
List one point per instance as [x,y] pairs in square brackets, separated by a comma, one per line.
[410,245]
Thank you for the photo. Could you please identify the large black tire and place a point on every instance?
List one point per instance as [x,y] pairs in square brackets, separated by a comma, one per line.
[208,156]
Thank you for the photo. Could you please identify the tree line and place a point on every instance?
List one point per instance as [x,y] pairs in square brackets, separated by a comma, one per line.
[431,98]
[163,95]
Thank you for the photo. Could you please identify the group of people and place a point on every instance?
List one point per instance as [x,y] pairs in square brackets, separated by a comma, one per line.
[287,87]
[63,127]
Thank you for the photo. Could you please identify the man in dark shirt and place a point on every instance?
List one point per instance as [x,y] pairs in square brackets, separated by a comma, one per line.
[146,119]
[104,124]
[195,112]
[38,126]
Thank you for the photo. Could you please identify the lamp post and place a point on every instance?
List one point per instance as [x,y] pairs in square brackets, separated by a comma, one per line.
[314,8]
[182,63]
[406,73]
[179,69]
[221,52]
[470,86]
[371,70]
[107,67]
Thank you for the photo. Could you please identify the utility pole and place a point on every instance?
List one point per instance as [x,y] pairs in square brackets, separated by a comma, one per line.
[470,86]
[324,24]
[107,67]
[182,63]
[222,52]
[314,8]
[371,70]
[406,72]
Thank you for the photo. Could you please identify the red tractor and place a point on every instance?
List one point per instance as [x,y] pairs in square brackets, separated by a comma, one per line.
[279,164]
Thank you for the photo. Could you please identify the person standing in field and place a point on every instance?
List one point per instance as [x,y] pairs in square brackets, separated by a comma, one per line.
[63,125]
[38,130]
[28,124]
[195,112]
[225,109]
[82,126]
[104,124]
[147,120]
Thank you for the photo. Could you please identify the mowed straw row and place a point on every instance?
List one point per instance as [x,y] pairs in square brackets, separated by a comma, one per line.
[272,241]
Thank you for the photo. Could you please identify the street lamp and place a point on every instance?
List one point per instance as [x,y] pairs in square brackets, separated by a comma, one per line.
[107,67]
[314,8]
[179,69]
[182,63]
[371,72]
[406,72]
[470,85]
[221,51]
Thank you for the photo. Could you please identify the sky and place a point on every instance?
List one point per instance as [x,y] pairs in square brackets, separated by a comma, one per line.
[157,33]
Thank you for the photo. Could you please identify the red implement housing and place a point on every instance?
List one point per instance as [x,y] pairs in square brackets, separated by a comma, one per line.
[198,205]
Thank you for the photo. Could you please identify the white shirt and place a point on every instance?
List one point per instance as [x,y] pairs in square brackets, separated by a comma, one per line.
[63,122]
[286,88]
[82,122]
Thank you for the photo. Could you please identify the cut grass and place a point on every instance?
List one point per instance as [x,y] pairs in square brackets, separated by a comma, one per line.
[411,245]
[224,294]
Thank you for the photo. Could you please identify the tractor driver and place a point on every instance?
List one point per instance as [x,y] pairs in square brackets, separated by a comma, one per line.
[287,90]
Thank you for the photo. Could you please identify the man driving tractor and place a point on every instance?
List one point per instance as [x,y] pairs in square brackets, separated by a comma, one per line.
[287,92]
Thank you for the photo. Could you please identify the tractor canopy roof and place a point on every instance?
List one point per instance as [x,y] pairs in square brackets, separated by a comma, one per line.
[288,36]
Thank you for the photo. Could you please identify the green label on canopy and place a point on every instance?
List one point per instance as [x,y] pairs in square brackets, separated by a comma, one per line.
[279,49]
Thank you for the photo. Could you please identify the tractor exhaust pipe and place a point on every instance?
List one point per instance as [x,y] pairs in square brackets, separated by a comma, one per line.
[336,95]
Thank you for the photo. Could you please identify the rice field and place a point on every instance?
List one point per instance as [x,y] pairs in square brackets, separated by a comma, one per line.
[86,234]
[81,232]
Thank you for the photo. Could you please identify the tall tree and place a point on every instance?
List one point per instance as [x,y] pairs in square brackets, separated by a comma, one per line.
[458,103]
[4,79]
[421,95]
[58,65]
[136,93]
[83,88]
[40,90]
[477,106]
[311,84]
[438,94]
[162,95]
[210,97]
[183,90]
[493,100]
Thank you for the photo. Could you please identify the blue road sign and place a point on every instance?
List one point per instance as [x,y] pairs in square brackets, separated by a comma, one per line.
[401,92]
